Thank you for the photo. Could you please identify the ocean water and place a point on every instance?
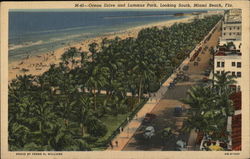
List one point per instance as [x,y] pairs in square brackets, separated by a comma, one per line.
[36,32]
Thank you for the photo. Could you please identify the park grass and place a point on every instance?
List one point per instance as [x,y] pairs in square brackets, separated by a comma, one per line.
[112,123]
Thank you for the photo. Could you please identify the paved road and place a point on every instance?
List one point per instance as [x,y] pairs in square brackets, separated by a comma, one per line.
[164,109]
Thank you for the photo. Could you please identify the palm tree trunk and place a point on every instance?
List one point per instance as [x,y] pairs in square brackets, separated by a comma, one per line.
[94,98]
[82,129]
[140,90]
[66,122]
[40,126]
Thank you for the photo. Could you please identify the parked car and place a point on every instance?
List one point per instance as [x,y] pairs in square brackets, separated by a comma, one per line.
[178,110]
[149,117]
[172,85]
[149,132]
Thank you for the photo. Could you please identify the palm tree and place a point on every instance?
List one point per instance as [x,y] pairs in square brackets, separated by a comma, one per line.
[23,82]
[18,135]
[223,81]
[83,112]
[70,54]
[209,108]
[93,49]
[84,58]
[97,79]
[65,110]
[61,138]
[200,99]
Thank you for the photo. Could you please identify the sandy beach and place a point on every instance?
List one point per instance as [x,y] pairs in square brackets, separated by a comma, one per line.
[37,64]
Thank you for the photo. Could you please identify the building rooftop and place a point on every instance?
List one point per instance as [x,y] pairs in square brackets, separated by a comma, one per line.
[232,22]
[224,51]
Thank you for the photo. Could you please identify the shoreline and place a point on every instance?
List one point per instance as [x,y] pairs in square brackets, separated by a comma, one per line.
[38,64]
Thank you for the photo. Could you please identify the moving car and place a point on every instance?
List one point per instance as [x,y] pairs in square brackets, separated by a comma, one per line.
[149,132]
[178,111]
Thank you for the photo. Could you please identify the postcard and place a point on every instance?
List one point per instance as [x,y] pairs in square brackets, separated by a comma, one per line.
[125,79]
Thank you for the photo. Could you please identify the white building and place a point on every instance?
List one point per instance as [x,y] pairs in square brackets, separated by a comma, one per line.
[231,26]
[229,60]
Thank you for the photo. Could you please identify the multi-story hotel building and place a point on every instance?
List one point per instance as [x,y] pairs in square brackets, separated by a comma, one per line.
[229,60]
[232,28]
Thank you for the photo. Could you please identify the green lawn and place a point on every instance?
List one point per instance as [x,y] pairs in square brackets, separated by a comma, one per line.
[113,122]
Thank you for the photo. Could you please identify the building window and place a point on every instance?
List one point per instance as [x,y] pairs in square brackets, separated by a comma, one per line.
[233,63]
[217,72]
[222,64]
[224,33]
[230,28]
[238,28]
[224,28]
[222,72]
[238,74]
[238,33]
[230,33]
[218,64]
[233,73]
[239,64]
